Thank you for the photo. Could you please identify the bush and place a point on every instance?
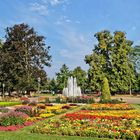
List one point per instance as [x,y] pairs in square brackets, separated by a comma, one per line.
[113,101]
[13,118]
[41,107]
[33,103]
[4,109]
[48,104]
[25,102]
[58,100]
[32,112]
[73,104]
[25,109]
[91,100]
[65,107]
[82,99]
[47,100]
[105,90]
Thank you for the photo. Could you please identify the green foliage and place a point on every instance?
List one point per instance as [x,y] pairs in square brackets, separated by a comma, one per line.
[111,59]
[62,77]
[123,76]
[12,118]
[105,90]
[53,85]
[25,109]
[23,57]
[81,77]
[58,100]
[113,101]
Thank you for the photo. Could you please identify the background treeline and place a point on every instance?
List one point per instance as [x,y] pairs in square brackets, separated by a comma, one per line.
[24,56]
[114,58]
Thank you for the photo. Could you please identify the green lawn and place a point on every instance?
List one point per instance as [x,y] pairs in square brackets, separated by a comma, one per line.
[20,135]
[4,104]
[137,106]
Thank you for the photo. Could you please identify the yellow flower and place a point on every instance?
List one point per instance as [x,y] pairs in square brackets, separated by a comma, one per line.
[46,115]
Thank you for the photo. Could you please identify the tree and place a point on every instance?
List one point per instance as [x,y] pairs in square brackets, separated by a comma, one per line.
[135,58]
[25,56]
[62,77]
[95,72]
[99,60]
[53,85]
[105,90]
[123,76]
[81,77]
[110,59]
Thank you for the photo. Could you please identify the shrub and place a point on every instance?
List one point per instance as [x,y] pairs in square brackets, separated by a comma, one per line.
[48,104]
[4,109]
[73,104]
[91,100]
[32,112]
[13,118]
[25,102]
[41,107]
[113,101]
[33,103]
[105,90]
[25,109]
[82,99]
[65,107]
[47,100]
[58,100]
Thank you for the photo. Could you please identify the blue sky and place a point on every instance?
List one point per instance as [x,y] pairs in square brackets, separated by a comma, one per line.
[69,25]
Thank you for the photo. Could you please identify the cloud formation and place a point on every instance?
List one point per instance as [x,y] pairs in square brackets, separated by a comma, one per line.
[39,8]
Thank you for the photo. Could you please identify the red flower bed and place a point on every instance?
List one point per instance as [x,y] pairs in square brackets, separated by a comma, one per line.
[14,127]
[77,116]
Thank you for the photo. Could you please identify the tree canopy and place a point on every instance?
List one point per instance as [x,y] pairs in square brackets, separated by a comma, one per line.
[110,58]
[23,57]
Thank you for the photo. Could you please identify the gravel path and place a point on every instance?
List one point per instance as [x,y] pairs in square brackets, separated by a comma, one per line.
[129,99]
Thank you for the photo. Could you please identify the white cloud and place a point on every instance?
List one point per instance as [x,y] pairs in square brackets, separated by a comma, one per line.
[55,2]
[77,46]
[43,6]
[40,8]
[62,20]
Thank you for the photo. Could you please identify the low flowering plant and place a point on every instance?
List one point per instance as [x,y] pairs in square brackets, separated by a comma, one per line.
[25,109]
[13,118]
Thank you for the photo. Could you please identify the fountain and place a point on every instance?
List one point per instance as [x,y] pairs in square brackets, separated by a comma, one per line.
[72,90]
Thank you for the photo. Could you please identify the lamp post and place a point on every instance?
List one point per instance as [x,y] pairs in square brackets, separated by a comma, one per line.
[3,86]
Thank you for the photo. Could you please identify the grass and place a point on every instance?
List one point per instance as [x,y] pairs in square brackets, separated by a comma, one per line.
[4,104]
[29,136]
[136,106]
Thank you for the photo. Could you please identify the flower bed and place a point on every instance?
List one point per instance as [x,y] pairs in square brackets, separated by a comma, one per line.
[110,123]
[82,99]
[13,118]
[96,106]
[24,115]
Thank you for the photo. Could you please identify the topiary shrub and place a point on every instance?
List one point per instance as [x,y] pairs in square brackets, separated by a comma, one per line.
[105,90]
